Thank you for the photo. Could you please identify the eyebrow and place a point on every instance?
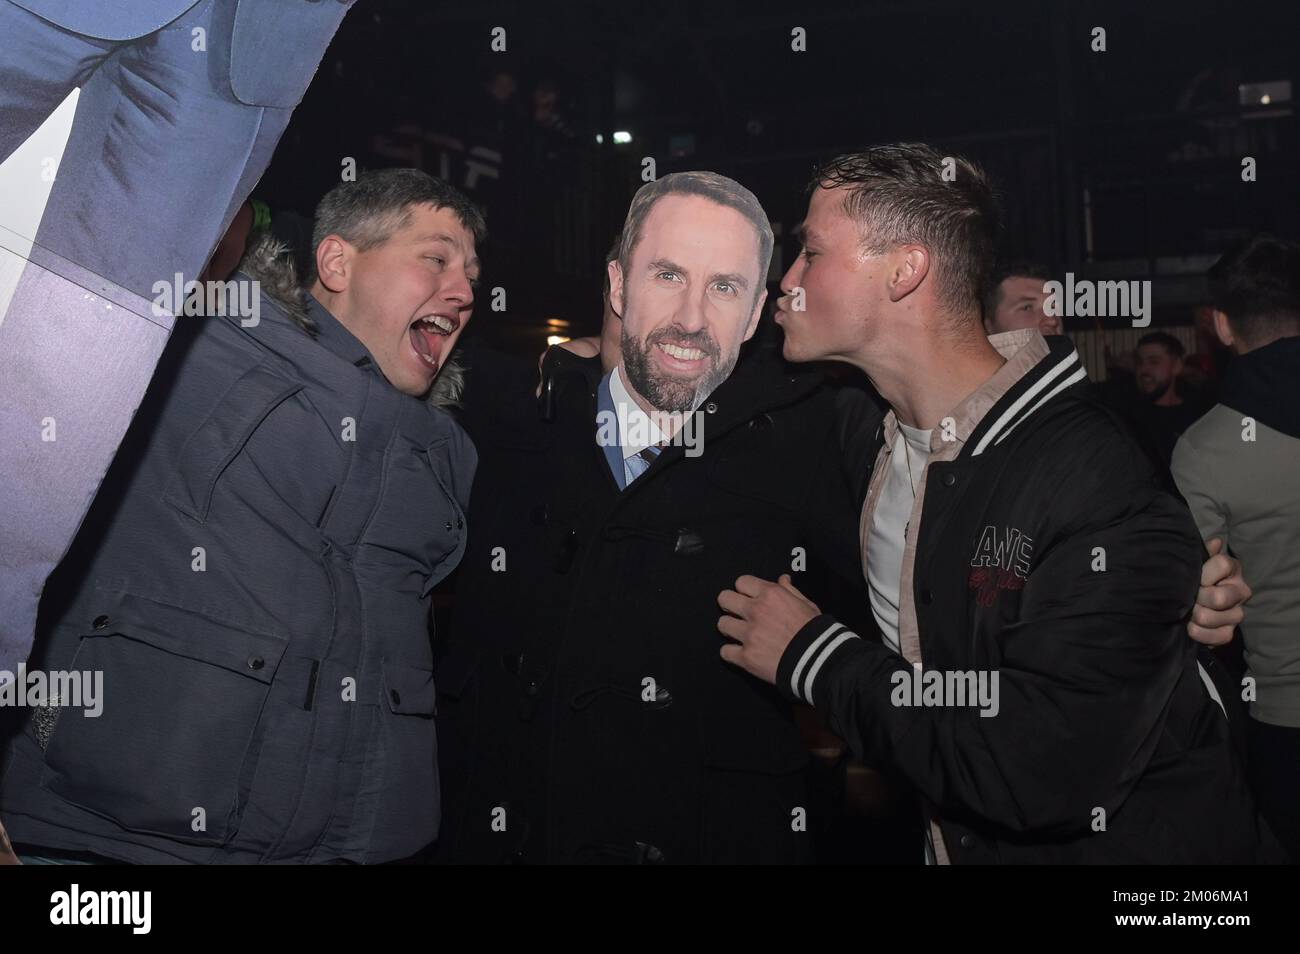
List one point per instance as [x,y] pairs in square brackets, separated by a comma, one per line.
[804,234]
[740,281]
[445,239]
[663,264]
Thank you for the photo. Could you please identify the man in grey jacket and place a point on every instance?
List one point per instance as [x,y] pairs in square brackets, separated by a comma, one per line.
[1239,468]
[253,582]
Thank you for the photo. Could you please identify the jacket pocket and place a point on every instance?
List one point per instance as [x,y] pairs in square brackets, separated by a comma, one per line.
[407,811]
[218,440]
[409,690]
[174,745]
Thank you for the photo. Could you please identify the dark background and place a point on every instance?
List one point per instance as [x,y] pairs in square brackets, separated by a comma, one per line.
[1124,163]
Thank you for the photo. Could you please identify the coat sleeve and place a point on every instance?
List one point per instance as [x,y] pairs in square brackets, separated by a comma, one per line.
[1084,674]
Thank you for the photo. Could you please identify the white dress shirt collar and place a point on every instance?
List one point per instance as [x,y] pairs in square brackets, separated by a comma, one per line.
[637,430]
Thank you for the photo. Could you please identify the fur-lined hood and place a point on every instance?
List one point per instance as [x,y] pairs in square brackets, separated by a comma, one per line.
[269,262]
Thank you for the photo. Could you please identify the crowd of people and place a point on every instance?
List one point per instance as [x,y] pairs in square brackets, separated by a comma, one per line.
[668,539]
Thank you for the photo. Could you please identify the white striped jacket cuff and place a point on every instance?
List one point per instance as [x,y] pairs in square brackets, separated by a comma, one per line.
[815,651]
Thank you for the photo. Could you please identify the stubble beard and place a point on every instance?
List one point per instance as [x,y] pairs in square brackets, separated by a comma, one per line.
[666,392]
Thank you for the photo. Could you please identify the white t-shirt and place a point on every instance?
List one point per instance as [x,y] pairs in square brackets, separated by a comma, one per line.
[885,541]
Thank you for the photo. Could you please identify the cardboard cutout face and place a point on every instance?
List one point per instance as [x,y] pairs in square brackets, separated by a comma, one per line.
[692,294]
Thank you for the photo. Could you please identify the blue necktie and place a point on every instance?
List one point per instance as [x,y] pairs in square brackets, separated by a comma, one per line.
[639,463]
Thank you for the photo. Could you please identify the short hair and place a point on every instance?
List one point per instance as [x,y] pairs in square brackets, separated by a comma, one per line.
[1257,285]
[898,194]
[712,186]
[1170,343]
[1010,269]
[367,211]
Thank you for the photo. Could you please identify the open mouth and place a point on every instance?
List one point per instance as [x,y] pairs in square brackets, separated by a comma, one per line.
[427,338]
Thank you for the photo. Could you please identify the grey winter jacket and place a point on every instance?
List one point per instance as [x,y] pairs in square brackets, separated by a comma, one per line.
[253,582]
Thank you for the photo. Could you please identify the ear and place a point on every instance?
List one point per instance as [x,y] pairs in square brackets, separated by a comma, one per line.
[757,314]
[615,271]
[333,263]
[908,267]
[1222,329]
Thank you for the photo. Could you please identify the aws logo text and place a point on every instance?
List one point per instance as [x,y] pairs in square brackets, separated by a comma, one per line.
[1000,563]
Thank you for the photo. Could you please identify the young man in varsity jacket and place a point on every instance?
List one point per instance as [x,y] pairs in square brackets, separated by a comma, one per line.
[1029,576]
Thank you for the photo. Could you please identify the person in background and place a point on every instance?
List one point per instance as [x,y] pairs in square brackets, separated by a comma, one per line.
[1239,469]
[606,344]
[225,258]
[1015,300]
[1205,367]
[1160,411]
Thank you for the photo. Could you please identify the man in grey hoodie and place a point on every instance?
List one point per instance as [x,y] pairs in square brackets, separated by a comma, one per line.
[1239,468]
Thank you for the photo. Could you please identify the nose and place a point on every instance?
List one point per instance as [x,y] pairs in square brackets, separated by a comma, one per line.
[456,288]
[690,312]
[792,277]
